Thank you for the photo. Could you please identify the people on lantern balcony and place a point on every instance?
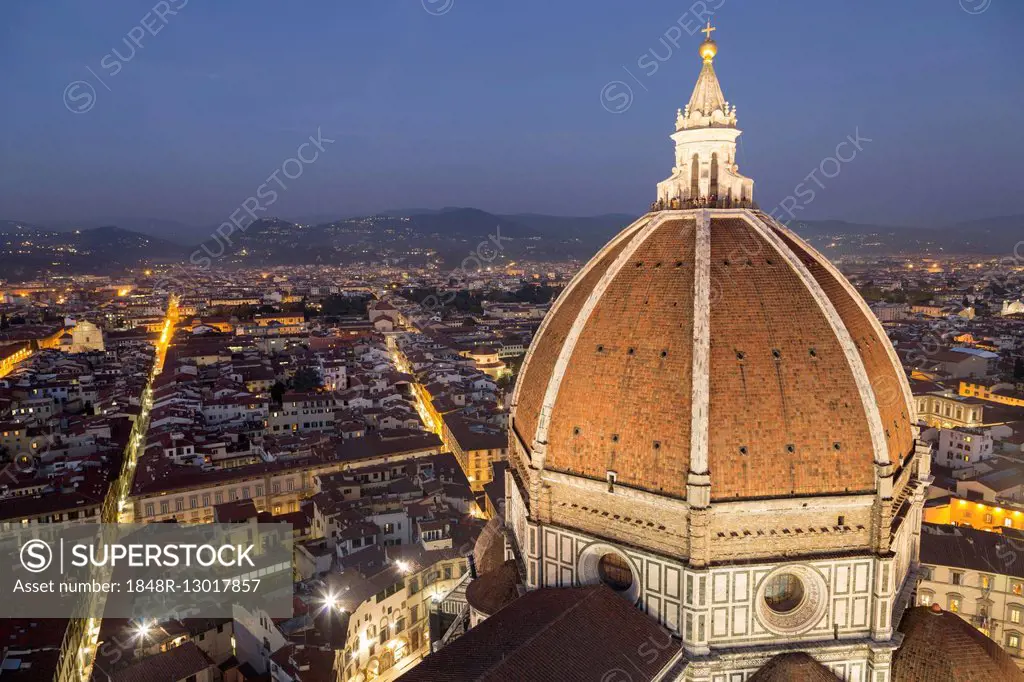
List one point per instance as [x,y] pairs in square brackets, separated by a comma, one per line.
[714,201]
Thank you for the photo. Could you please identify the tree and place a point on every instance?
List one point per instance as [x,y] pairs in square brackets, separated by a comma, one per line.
[4,324]
[277,391]
[344,306]
[305,379]
[1018,369]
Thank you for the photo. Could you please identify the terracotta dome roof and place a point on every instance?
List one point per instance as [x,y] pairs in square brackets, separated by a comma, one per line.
[795,666]
[489,549]
[495,589]
[768,363]
[942,647]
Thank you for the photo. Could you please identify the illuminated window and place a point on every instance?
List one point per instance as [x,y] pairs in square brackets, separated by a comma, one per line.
[954,604]
[1012,640]
[1015,614]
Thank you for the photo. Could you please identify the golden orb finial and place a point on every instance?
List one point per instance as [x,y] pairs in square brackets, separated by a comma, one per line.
[708,49]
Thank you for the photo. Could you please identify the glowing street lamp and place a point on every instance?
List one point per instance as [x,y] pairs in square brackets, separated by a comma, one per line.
[142,630]
[331,603]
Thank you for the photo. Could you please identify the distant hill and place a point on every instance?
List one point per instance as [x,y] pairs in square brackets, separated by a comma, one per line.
[987,236]
[27,251]
[170,230]
[448,235]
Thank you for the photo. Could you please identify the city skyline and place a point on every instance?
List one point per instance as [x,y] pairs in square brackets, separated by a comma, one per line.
[708,439]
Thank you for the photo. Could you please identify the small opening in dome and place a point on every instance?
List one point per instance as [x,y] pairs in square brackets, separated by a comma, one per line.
[769,261]
[784,593]
[814,352]
[726,262]
[600,349]
[750,263]
[657,265]
[776,353]
[743,449]
[740,355]
[631,351]
[639,263]
[615,438]
[576,431]
[790,448]
[657,445]
[837,446]
[615,572]
[664,353]
[679,263]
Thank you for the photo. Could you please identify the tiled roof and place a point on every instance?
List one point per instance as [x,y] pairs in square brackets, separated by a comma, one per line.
[784,396]
[939,646]
[172,665]
[972,549]
[495,589]
[569,635]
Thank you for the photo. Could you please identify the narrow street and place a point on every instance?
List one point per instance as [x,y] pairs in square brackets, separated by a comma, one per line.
[82,635]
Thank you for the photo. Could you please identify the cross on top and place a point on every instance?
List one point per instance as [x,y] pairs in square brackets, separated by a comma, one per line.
[707,31]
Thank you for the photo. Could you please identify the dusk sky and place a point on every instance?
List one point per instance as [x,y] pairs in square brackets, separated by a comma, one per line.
[498,105]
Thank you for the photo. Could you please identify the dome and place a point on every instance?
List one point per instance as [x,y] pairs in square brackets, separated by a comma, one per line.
[715,342]
[941,646]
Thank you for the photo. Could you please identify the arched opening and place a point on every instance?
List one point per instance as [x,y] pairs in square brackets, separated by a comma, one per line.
[695,178]
[714,177]
[784,593]
[615,572]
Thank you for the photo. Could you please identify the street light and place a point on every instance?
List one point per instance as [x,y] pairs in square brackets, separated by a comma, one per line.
[142,630]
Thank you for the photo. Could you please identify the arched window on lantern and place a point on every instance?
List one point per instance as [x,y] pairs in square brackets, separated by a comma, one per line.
[714,175]
[695,177]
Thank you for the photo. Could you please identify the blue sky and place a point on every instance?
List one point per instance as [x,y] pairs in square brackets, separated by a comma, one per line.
[499,104]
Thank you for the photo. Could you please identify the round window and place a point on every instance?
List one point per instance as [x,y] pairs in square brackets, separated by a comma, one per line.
[614,572]
[783,593]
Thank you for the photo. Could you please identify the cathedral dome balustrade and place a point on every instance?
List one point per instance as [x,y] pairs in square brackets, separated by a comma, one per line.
[678,204]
